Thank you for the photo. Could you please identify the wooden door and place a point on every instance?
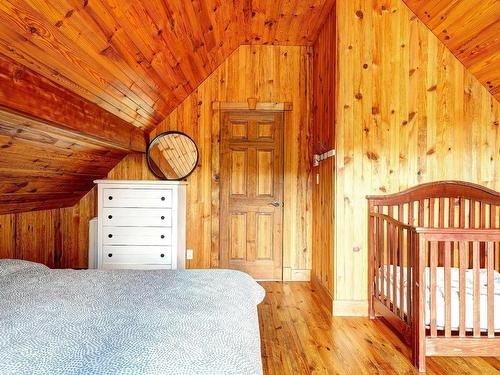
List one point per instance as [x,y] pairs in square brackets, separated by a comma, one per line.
[252,193]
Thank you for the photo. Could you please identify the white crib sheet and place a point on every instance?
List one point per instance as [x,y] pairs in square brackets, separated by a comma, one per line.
[455,288]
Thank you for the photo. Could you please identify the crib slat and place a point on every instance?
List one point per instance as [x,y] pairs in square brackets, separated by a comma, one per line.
[472,213]
[482,224]
[410,245]
[401,273]
[461,287]
[447,288]
[388,267]
[491,303]
[393,244]
[451,214]
[421,207]
[431,213]
[462,213]
[433,268]
[375,250]
[475,260]
[441,210]
[382,258]
[482,215]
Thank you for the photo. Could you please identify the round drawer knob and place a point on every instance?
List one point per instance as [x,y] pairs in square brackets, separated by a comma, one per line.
[110,198]
[162,236]
[163,217]
[110,255]
[162,255]
[110,235]
[162,198]
[110,216]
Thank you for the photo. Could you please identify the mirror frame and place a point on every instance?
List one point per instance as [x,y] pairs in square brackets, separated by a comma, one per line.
[154,141]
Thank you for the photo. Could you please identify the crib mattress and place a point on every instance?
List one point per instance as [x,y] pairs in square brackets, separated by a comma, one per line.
[455,290]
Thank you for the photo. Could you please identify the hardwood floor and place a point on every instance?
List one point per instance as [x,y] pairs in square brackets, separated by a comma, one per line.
[300,337]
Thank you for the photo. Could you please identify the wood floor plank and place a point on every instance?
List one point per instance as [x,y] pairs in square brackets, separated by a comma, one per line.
[298,336]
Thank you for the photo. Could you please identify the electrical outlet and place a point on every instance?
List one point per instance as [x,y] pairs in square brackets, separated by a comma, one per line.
[189,254]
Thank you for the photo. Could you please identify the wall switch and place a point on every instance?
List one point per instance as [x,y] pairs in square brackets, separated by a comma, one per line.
[189,254]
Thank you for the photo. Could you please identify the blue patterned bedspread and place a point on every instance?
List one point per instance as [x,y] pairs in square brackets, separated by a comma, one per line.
[127,322]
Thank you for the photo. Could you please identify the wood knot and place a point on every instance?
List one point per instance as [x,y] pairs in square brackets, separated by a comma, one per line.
[372,155]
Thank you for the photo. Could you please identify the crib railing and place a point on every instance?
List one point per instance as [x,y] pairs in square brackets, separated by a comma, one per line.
[478,244]
[391,245]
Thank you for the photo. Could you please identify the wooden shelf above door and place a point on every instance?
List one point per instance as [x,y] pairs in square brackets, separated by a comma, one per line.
[243,106]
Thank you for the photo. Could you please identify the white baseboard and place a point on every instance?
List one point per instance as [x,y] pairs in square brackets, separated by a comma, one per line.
[350,308]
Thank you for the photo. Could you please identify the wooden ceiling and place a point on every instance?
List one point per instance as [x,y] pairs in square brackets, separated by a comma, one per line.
[81,80]
[53,143]
[471,30]
[140,59]
[43,166]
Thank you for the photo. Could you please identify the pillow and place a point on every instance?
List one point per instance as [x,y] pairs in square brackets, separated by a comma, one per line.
[8,267]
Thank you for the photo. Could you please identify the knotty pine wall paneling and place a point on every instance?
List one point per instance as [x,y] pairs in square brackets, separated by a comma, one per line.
[323,136]
[271,74]
[408,112]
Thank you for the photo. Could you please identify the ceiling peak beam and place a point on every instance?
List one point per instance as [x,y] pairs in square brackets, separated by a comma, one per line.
[24,91]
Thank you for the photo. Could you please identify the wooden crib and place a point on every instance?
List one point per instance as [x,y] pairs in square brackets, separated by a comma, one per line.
[441,235]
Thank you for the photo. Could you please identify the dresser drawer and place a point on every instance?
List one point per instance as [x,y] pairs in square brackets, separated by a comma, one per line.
[137,255]
[136,236]
[130,266]
[145,198]
[137,217]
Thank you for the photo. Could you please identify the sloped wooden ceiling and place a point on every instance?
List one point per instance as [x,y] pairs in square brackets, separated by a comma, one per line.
[53,143]
[471,30]
[79,76]
[139,59]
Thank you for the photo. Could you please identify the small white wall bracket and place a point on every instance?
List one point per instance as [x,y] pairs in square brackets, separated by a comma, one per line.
[317,158]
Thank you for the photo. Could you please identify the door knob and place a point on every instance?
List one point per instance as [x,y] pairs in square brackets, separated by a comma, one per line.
[275,204]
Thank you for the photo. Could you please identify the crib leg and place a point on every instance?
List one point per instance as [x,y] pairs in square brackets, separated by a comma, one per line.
[418,348]
[371,308]
[419,361]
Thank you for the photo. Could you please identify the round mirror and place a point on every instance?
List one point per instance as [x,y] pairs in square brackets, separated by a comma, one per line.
[172,155]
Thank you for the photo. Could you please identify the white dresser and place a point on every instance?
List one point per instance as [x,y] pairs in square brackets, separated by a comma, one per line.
[141,224]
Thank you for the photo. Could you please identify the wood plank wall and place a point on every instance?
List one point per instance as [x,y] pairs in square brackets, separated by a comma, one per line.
[323,135]
[270,74]
[408,112]
[59,237]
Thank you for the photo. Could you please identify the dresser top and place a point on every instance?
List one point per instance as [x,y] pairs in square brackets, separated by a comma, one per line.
[141,182]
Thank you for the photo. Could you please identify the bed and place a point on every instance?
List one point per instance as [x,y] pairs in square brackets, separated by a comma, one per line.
[127,321]
[434,262]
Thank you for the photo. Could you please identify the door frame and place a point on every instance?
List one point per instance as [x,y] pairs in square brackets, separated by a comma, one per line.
[218,107]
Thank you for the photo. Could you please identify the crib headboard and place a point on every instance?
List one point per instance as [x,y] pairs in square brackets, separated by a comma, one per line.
[441,204]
